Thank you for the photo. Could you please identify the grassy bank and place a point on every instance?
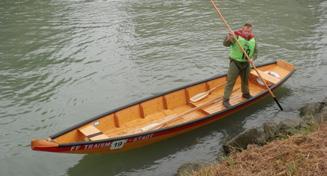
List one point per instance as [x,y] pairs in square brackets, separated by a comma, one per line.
[304,153]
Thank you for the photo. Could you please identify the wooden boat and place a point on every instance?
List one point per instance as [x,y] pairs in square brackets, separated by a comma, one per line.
[163,116]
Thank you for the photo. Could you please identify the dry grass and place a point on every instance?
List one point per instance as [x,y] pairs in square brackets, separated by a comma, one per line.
[299,155]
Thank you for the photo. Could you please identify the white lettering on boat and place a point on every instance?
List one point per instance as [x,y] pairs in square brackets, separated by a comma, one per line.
[73,148]
[113,145]
[90,146]
[141,138]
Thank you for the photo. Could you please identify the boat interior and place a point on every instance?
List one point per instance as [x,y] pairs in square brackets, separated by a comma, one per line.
[173,108]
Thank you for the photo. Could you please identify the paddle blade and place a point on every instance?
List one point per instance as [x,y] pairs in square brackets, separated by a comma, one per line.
[150,127]
[199,97]
[157,125]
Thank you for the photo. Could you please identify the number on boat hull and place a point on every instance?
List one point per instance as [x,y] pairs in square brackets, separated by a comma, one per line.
[118,144]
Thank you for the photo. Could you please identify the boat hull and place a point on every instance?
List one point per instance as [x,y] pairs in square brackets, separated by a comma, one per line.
[125,143]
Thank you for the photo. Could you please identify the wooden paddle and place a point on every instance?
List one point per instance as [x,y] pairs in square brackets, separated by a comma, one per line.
[244,52]
[171,118]
[203,95]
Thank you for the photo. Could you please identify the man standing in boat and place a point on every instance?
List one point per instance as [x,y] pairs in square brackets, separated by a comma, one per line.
[239,66]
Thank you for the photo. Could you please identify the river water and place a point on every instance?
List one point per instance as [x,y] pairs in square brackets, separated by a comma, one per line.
[65,61]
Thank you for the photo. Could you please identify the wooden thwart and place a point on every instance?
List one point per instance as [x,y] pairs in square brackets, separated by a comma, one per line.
[265,76]
[92,133]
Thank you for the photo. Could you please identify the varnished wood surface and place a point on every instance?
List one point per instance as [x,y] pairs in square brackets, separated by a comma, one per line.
[130,120]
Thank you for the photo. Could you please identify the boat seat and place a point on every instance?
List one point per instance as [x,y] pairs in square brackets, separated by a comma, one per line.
[92,133]
[265,76]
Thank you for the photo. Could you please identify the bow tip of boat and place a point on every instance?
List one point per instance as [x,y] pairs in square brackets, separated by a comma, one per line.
[42,144]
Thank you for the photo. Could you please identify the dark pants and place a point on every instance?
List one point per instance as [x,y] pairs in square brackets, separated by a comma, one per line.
[235,69]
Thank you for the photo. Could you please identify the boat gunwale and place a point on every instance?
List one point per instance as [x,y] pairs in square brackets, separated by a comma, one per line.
[163,129]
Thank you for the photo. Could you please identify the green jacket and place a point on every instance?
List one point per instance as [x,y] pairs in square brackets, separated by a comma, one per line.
[235,52]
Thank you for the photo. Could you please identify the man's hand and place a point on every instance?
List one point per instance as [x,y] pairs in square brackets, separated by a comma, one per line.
[230,37]
[229,40]
[251,62]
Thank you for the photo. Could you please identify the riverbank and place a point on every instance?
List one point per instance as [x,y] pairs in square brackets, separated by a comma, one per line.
[301,154]
[296,146]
